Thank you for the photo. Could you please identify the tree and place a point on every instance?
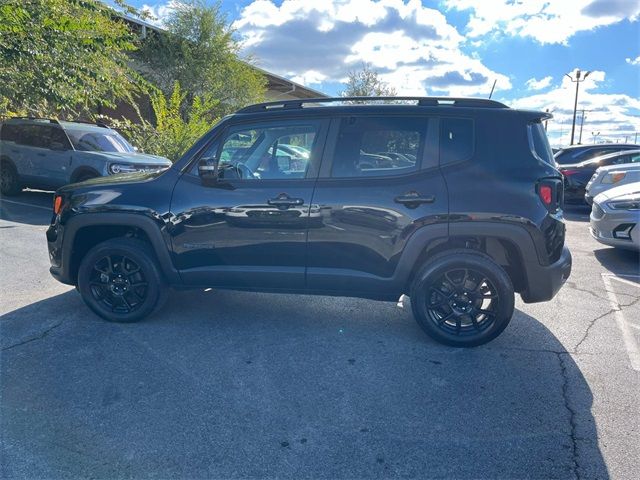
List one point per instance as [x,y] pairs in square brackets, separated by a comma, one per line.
[199,51]
[179,122]
[367,83]
[63,57]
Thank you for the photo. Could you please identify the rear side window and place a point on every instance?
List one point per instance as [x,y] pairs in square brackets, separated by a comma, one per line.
[378,146]
[539,143]
[9,133]
[456,140]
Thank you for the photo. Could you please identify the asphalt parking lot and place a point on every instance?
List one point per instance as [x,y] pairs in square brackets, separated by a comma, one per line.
[236,385]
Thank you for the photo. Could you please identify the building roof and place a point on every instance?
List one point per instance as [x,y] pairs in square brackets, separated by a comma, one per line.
[275,83]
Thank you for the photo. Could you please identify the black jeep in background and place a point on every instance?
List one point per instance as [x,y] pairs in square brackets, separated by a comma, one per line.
[453,202]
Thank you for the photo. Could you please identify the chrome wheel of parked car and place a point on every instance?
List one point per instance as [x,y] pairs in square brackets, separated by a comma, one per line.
[462,298]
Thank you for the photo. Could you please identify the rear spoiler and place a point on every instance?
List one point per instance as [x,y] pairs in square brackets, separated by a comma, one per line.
[534,116]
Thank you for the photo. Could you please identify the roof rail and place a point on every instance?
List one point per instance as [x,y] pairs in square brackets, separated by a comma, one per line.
[50,120]
[97,124]
[421,101]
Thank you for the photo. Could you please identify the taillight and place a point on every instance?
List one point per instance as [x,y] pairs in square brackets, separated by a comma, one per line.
[546,194]
[57,204]
[550,192]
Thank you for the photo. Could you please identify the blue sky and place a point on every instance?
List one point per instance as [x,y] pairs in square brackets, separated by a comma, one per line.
[458,47]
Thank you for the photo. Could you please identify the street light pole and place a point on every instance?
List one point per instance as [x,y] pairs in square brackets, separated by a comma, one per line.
[595,135]
[578,80]
[582,124]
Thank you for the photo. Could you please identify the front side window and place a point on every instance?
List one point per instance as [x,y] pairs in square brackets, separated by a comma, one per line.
[378,146]
[270,152]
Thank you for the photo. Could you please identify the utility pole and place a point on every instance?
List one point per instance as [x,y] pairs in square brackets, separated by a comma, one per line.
[578,80]
[582,124]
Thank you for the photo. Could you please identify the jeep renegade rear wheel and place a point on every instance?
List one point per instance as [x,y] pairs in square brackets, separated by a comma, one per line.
[462,298]
[120,280]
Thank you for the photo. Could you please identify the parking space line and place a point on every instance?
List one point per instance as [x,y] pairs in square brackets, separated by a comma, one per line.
[627,335]
[26,204]
[623,280]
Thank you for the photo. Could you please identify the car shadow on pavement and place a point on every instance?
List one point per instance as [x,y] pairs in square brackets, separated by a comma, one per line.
[577,213]
[619,261]
[232,384]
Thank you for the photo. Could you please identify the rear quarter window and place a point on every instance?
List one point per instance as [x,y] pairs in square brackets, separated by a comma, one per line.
[539,143]
[456,140]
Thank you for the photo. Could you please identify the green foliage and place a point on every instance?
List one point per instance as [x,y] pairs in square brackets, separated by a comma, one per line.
[366,83]
[200,52]
[179,123]
[63,57]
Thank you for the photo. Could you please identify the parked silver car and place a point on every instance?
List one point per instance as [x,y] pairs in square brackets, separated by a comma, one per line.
[47,154]
[612,176]
[615,215]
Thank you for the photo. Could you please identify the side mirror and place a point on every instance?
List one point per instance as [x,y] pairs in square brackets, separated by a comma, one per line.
[207,172]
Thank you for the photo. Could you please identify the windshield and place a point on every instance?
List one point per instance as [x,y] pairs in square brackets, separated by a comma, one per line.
[92,141]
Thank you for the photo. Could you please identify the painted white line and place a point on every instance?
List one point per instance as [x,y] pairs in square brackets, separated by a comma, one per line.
[50,209]
[627,335]
[625,281]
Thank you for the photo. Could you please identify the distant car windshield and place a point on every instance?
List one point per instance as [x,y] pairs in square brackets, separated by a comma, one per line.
[90,141]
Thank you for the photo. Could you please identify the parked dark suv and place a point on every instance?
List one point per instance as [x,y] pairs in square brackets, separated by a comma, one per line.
[466,214]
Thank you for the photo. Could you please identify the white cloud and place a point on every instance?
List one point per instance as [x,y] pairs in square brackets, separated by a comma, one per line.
[534,84]
[543,20]
[412,47]
[159,11]
[633,61]
[614,115]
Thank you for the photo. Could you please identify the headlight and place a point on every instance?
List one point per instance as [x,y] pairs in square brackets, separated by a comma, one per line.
[613,177]
[624,205]
[122,168]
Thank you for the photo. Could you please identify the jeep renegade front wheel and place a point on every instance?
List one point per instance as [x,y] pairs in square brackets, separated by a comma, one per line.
[120,280]
[462,298]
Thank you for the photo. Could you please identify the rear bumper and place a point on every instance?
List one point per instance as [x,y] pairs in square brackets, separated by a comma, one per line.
[543,282]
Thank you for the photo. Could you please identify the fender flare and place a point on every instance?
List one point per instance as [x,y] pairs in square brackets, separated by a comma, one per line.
[151,227]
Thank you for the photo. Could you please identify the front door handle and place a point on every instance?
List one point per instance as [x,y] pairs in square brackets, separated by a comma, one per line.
[285,201]
[413,199]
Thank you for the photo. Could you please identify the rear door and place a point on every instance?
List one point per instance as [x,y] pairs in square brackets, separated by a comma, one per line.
[371,202]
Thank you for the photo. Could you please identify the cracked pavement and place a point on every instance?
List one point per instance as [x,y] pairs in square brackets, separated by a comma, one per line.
[246,385]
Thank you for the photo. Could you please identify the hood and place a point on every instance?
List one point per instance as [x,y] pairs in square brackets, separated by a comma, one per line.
[624,167]
[630,191]
[133,157]
[122,178]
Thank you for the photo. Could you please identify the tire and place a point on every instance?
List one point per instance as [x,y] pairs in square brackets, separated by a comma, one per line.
[9,180]
[462,298]
[120,280]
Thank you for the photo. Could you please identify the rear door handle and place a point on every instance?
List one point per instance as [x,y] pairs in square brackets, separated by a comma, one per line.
[413,199]
[284,201]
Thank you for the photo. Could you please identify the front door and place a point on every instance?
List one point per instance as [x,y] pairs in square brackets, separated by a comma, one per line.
[247,228]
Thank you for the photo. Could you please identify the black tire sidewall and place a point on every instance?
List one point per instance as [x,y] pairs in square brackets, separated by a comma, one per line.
[14,186]
[434,269]
[139,253]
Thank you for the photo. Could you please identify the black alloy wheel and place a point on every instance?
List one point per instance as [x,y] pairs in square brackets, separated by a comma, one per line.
[462,298]
[462,302]
[120,280]
[118,283]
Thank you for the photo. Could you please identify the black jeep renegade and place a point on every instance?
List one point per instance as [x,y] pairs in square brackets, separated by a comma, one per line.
[453,202]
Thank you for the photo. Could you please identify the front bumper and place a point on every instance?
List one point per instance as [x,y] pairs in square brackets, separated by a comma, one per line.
[543,282]
[603,224]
